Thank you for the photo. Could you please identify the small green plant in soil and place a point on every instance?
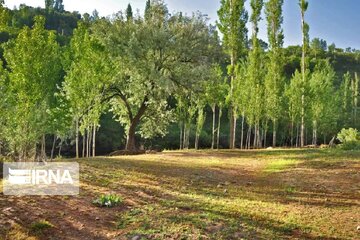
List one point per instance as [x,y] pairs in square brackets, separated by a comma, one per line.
[40,226]
[109,200]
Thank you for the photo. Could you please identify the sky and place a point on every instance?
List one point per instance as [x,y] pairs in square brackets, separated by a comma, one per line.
[336,21]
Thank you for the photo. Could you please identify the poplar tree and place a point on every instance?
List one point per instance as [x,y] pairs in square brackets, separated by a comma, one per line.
[255,73]
[305,45]
[274,80]
[129,12]
[232,24]
[34,72]
[323,107]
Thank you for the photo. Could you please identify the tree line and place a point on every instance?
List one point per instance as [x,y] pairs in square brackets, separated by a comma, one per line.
[156,72]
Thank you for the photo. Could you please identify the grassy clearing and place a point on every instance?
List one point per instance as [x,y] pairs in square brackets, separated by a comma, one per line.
[278,194]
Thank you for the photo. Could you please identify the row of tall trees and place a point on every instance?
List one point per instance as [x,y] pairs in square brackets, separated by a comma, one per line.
[260,92]
[159,70]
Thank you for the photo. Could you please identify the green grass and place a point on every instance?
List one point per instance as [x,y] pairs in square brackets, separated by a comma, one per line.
[278,194]
[281,165]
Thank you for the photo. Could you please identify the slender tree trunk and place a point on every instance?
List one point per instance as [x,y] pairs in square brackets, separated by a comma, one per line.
[87,142]
[60,147]
[297,135]
[181,135]
[242,132]
[292,134]
[231,108]
[188,137]
[53,148]
[218,128]
[185,136]
[77,138]
[213,127]
[254,142]
[249,135]
[265,136]
[274,133]
[303,72]
[84,144]
[43,147]
[94,141]
[235,123]
[196,141]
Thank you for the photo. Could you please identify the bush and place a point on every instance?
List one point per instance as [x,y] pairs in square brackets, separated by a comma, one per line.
[349,138]
[40,226]
[351,145]
[348,135]
[110,200]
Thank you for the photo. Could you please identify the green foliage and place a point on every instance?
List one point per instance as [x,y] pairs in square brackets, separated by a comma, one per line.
[348,135]
[34,71]
[153,59]
[109,200]
[232,24]
[40,226]
[129,12]
[274,79]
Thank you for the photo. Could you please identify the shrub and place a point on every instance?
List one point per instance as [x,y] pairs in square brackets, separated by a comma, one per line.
[351,145]
[349,138]
[348,135]
[40,226]
[109,200]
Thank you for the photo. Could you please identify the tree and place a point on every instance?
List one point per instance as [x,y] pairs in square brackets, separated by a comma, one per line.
[129,13]
[274,80]
[255,75]
[318,46]
[85,82]
[305,43]
[323,105]
[34,72]
[147,13]
[216,91]
[294,92]
[151,60]
[59,6]
[346,99]
[232,24]
[49,5]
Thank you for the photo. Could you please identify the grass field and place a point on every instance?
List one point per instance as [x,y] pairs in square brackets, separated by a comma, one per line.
[277,194]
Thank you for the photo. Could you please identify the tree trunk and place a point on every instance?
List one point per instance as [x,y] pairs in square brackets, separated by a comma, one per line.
[43,148]
[185,136]
[297,135]
[274,133]
[265,136]
[218,129]
[84,144]
[77,138]
[53,148]
[197,141]
[60,147]
[181,135]
[188,136]
[303,72]
[130,143]
[213,127]
[94,141]
[292,134]
[248,140]
[242,132]
[232,126]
